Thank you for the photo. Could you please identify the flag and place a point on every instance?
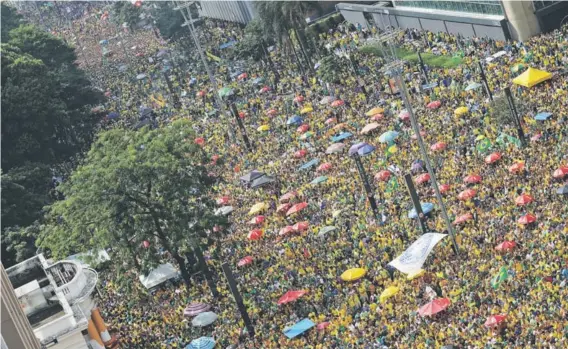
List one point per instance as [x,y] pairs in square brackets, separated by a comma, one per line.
[483,145]
[499,278]
[213,57]
[415,255]
[392,185]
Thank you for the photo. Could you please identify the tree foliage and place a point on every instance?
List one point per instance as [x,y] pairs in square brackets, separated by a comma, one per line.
[136,186]
[254,42]
[331,69]
[168,20]
[10,20]
[126,12]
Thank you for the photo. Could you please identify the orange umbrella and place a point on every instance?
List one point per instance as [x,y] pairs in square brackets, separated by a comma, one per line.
[283,208]
[423,178]
[495,320]
[288,196]
[245,261]
[255,234]
[337,103]
[523,200]
[326,166]
[300,153]
[438,146]
[463,218]
[383,175]
[223,200]
[506,246]
[517,167]
[527,219]
[291,296]
[303,128]
[444,188]
[300,226]
[286,230]
[472,179]
[466,194]
[492,158]
[257,220]
[434,307]
[296,208]
[561,172]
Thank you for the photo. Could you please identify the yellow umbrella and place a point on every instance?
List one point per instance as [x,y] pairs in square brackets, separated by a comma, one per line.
[460,111]
[258,207]
[416,274]
[353,274]
[375,111]
[306,110]
[263,128]
[388,293]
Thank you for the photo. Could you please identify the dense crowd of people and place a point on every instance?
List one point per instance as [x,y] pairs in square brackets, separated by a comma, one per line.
[533,296]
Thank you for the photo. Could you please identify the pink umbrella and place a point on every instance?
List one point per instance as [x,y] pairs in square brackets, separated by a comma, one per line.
[527,219]
[245,261]
[199,141]
[303,128]
[517,167]
[378,117]
[404,115]
[146,244]
[257,220]
[326,166]
[242,114]
[242,76]
[444,188]
[438,146]
[506,246]
[323,325]
[523,200]
[272,112]
[422,133]
[291,296]
[300,153]
[434,105]
[466,194]
[337,103]
[297,208]
[201,94]
[223,200]
[472,179]
[283,208]
[195,309]
[255,234]
[301,226]
[288,196]
[330,121]
[463,218]
[383,175]
[299,99]
[423,178]
[561,172]
[264,89]
[492,158]
[434,307]
[286,230]
[495,320]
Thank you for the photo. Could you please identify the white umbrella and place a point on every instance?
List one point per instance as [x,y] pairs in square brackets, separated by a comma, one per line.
[326,230]
[327,100]
[204,319]
[223,211]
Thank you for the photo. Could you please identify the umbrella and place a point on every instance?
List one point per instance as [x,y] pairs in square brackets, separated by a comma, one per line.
[388,137]
[523,200]
[258,81]
[201,94]
[495,320]
[199,141]
[227,44]
[517,167]
[463,218]
[204,319]
[423,178]
[306,110]
[472,179]
[257,220]
[561,172]
[195,309]
[326,230]
[375,111]
[527,219]
[434,105]
[542,116]
[264,89]
[309,164]
[306,135]
[353,274]
[434,307]
[288,196]
[223,200]
[341,136]
[506,246]
[330,121]
[286,230]
[415,274]
[323,325]
[294,120]
[301,226]
[460,111]
[388,293]
[263,128]
[562,190]
[365,150]
[422,134]
[255,234]
[258,207]
[417,165]
[225,92]
[492,158]
[298,328]
[261,181]
[370,127]
[438,146]
[335,148]
[291,296]
[223,211]
[444,188]
[251,176]
[296,208]
[426,208]
[337,103]
[272,112]
[242,76]
[140,76]
[355,148]
[303,128]
[299,99]
[377,117]
[404,115]
[300,153]
[283,208]
[326,166]
[319,179]
[383,176]
[467,194]
[473,86]
[201,343]
[327,100]
[113,115]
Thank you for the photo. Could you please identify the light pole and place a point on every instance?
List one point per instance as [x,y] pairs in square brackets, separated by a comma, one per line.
[367,185]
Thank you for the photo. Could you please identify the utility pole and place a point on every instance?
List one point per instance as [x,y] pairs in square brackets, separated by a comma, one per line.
[485,83]
[367,185]
[238,298]
[515,116]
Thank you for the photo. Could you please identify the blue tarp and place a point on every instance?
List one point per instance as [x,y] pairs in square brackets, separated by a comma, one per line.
[542,116]
[298,328]
[227,44]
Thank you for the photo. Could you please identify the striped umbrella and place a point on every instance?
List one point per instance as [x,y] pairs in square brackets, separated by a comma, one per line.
[195,309]
[201,343]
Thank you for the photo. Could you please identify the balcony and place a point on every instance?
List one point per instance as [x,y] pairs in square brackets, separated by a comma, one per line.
[73,280]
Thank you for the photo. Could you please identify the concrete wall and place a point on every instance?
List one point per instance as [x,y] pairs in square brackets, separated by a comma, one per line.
[523,22]
[73,341]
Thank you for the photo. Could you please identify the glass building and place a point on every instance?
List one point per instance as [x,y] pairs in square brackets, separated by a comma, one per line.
[486,7]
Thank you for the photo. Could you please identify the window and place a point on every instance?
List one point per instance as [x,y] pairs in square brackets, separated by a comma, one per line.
[491,7]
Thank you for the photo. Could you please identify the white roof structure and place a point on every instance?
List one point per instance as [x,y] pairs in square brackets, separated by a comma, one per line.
[161,274]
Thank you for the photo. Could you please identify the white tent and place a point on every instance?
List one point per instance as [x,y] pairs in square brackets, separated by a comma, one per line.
[161,274]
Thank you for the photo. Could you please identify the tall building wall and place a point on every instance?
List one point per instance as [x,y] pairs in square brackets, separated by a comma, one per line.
[232,11]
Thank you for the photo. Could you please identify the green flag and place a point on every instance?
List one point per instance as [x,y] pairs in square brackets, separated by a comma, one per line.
[483,145]
[392,185]
[499,278]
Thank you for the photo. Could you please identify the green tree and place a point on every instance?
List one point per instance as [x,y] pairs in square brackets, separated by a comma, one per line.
[126,12]
[10,20]
[331,69]
[168,20]
[136,186]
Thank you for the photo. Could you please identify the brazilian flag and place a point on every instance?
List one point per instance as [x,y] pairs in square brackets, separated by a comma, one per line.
[499,278]
[483,146]
[392,185]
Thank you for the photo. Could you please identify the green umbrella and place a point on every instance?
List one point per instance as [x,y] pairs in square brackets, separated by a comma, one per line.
[225,92]
[318,180]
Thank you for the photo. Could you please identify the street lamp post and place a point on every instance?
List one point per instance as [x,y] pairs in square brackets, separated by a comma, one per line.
[367,185]
[485,83]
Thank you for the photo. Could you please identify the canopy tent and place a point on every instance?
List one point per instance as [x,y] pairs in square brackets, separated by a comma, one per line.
[532,77]
[261,181]
[251,176]
[159,275]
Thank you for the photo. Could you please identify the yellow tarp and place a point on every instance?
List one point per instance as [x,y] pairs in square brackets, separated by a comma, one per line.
[532,77]
[353,274]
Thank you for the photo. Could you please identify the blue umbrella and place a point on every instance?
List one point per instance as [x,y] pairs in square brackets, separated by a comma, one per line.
[341,136]
[298,328]
[113,115]
[426,208]
[542,116]
[388,137]
[309,164]
[365,150]
[294,120]
[201,343]
[355,147]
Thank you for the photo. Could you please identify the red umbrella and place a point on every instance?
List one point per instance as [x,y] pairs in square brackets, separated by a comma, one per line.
[523,200]
[214,159]
[245,261]
[199,141]
[330,121]
[300,153]
[506,246]
[283,208]
[377,117]
[301,226]
[404,116]
[561,172]
[422,133]
[492,158]
[286,230]
[299,99]
[326,166]
[303,128]
[255,234]
[242,76]
[297,208]
[291,296]
[146,244]
[444,188]
[337,103]
[257,220]
[517,167]
[323,325]
[495,320]
[463,218]
[264,89]
[472,179]
[201,94]
[466,194]
[272,112]
[434,307]
[423,178]
[223,200]
[434,105]
[288,196]
[438,146]
[527,219]
[383,175]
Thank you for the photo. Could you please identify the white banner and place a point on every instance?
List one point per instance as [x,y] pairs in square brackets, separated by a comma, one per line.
[414,257]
